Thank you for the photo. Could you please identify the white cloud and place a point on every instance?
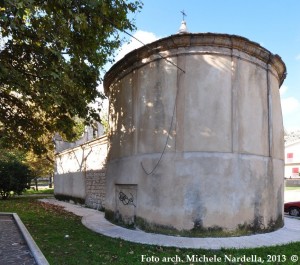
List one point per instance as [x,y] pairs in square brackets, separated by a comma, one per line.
[289,105]
[291,113]
[283,89]
[290,110]
[143,36]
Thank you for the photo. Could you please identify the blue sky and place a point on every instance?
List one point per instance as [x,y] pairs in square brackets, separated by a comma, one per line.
[274,24]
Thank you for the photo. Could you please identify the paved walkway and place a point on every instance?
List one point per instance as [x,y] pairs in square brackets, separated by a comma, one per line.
[13,248]
[95,221]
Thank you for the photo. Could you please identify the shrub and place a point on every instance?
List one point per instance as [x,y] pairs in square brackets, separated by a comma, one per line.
[14,177]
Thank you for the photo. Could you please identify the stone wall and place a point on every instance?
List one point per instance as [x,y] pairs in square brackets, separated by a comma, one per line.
[95,188]
[80,173]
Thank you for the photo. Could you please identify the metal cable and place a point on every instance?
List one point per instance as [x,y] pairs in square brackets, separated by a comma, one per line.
[174,109]
[144,44]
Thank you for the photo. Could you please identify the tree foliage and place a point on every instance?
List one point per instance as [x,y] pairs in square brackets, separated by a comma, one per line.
[50,56]
[41,165]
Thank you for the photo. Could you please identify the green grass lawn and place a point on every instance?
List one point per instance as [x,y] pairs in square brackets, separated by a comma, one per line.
[40,191]
[50,224]
[292,188]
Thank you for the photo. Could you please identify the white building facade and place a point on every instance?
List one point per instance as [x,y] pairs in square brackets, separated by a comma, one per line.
[292,159]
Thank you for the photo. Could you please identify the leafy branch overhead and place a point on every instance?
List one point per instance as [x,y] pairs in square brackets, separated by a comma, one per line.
[51,53]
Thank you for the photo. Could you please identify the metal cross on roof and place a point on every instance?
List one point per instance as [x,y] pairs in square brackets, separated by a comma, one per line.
[183,14]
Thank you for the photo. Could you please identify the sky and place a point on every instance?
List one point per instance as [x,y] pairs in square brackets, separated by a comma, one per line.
[274,24]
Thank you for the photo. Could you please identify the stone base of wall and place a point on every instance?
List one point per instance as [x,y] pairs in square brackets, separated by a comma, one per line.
[292,182]
[95,189]
[70,199]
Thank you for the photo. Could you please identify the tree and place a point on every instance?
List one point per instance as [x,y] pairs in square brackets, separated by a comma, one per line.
[50,56]
[15,176]
[40,165]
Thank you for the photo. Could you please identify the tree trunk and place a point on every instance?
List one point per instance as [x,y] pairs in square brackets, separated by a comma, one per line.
[36,183]
[51,180]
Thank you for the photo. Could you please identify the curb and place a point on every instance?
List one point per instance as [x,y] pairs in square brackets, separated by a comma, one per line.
[35,250]
[95,221]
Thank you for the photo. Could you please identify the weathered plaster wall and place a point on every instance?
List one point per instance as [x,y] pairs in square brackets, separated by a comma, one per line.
[222,163]
[81,172]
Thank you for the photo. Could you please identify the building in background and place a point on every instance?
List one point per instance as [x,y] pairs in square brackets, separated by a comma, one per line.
[292,155]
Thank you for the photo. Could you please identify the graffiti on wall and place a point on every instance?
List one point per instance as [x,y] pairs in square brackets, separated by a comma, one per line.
[125,199]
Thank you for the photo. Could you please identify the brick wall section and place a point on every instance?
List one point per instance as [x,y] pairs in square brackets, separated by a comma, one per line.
[81,173]
[95,188]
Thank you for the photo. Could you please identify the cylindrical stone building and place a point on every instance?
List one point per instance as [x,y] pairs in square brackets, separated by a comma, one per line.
[196,137]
